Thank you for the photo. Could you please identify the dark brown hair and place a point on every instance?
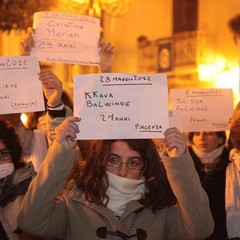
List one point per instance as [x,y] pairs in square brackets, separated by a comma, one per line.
[10,139]
[91,176]
[234,137]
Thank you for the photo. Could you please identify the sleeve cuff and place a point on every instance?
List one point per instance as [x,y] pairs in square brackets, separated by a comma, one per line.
[57,113]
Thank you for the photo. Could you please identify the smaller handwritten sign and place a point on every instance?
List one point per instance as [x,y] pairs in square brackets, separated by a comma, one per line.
[121,106]
[175,119]
[20,89]
[66,38]
[206,109]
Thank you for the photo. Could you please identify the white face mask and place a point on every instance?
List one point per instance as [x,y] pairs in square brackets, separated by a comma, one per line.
[6,169]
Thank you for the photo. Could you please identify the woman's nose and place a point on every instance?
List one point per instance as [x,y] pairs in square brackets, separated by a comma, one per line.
[123,170]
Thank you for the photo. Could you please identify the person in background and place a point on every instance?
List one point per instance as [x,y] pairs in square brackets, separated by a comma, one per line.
[210,156]
[15,177]
[121,191]
[24,134]
[232,194]
[32,133]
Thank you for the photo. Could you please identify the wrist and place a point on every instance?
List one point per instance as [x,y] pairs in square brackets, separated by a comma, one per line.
[59,106]
[106,68]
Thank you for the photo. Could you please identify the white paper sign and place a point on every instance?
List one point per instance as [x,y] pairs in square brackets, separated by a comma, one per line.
[20,89]
[66,38]
[206,109]
[176,119]
[121,106]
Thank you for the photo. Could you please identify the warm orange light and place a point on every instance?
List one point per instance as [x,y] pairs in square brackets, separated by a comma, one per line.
[221,76]
[95,7]
[222,72]
[208,70]
[116,7]
[24,119]
[75,6]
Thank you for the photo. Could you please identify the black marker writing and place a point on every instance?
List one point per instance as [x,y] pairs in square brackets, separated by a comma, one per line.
[192,109]
[197,120]
[114,118]
[101,104]
[8,63]
[96,94]
[148,127]
[58,34]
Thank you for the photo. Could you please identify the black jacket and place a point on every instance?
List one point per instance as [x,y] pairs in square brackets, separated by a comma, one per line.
[214,184]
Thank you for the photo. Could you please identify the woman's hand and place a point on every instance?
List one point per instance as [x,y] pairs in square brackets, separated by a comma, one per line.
[176,142]
[52,88]
[67,131]
[106,53]
[27,43]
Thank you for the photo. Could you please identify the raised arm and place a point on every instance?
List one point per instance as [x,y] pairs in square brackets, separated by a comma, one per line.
[52,88]
[27,43]
[106,52]
[195,217]
[42,213]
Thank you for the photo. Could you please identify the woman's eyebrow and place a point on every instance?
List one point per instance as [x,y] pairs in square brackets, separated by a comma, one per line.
[114,154]
[3,149]
[136,157]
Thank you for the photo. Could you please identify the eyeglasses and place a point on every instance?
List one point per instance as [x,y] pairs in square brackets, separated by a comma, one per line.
[134,163]
[4,154]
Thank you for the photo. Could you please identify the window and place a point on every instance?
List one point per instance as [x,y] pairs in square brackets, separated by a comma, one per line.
[185,15]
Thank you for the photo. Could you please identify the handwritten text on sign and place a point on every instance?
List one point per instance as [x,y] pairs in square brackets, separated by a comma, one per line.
[66,38]
[20,89]
[204,109]
[120,106]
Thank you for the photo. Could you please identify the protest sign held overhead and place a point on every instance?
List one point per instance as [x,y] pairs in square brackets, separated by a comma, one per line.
[66,38]
[120,106]
[205,109]
[20,89]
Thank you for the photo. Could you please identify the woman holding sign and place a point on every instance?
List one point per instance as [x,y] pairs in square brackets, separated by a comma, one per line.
[106,50]
[15,174]
[122,191]
[50,80]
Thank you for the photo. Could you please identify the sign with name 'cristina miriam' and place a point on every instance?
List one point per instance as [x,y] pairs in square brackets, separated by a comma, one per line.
[66,38]
[121,106]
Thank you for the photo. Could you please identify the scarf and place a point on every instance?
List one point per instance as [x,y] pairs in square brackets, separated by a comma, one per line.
[232,196]
[121,191]
[8,193]
[209,159]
